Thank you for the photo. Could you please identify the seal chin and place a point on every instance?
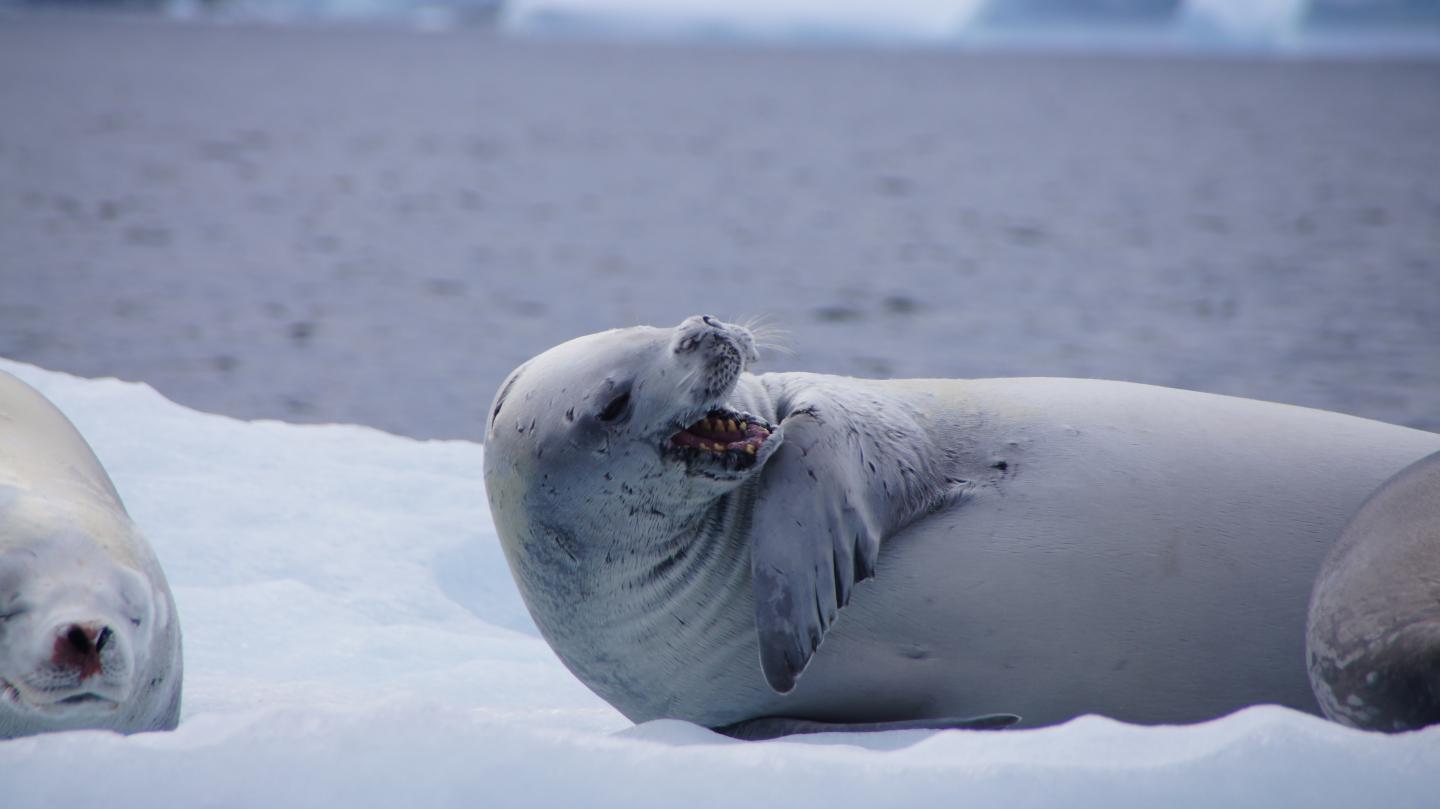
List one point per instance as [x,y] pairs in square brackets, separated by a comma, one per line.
[84,703]
[81,704]
[723,445]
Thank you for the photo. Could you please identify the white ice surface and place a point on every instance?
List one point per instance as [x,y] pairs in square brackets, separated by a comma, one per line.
[353,639]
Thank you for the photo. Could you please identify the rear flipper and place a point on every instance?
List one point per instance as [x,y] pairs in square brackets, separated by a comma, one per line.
[773,727]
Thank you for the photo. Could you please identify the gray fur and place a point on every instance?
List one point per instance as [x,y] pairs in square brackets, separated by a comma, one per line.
[1041,546]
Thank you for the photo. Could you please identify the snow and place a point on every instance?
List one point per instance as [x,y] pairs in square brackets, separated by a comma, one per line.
[353,638]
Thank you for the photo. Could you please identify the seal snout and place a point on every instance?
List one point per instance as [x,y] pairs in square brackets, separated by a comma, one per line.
[89,663]
[78,648]
[81,666]
[702,332]
[723,442]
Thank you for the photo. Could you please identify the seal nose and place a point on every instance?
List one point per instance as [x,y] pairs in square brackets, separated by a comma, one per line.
[709,321]
[78,648]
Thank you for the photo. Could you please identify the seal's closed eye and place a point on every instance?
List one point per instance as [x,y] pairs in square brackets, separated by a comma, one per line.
[616,407]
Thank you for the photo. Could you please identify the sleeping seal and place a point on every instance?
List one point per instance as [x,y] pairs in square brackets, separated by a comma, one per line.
[692,539]
[88,632]
[1374,637]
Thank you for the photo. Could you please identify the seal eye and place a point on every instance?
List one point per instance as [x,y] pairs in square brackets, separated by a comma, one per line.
[616,408]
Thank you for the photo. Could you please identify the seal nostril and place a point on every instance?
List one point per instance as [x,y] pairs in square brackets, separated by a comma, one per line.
[78,649]
[79,641]
[709,321]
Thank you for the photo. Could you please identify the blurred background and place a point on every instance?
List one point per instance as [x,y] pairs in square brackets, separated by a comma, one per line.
[371,210]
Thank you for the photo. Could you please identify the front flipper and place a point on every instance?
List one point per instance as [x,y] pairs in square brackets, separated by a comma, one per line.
[846,475]
[812,539]
[773,727]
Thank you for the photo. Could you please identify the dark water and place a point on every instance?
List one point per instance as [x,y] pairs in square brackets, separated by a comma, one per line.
[376,226]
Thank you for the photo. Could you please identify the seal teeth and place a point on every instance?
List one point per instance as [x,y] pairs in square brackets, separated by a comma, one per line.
[721,439]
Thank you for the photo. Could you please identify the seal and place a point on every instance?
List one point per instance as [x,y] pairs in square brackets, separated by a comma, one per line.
[694,540]
[1373,641]
[88,631]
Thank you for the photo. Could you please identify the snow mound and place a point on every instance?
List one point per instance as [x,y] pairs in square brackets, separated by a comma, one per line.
[353,638]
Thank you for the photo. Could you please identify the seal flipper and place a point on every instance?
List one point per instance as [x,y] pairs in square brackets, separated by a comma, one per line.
[773,727]
[807,551]
[851,471]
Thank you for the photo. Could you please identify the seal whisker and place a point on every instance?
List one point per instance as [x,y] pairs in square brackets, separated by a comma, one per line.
[768,337]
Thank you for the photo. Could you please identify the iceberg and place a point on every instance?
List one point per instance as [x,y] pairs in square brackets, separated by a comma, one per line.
[1373,27]
[900,21]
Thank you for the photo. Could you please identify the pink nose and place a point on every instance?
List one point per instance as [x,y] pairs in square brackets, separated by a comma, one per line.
[78,647]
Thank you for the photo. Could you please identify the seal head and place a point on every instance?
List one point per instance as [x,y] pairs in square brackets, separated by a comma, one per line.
[77,632]
[644,425]
[617,467]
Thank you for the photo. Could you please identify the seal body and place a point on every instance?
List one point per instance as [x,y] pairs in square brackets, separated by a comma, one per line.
[89,637]
[722,547]
[1373,642]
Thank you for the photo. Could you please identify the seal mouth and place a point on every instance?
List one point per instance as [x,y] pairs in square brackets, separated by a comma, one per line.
[723,441]
[87,702]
